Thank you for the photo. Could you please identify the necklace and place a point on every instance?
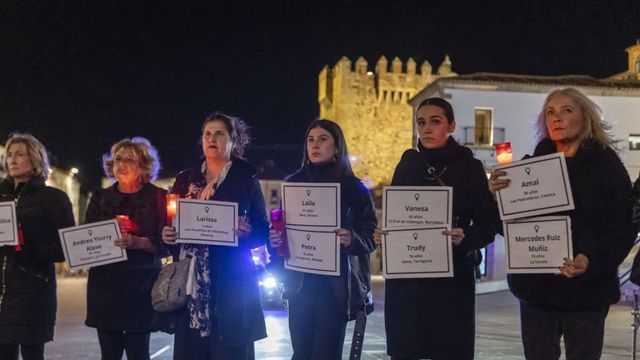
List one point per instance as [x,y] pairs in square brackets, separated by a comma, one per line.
[432,174]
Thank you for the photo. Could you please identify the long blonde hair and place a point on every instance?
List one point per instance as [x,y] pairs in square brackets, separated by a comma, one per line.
[594,127]
[35,149]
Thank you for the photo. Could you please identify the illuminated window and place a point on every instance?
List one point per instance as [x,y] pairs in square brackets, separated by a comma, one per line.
[634,142]
[483,126]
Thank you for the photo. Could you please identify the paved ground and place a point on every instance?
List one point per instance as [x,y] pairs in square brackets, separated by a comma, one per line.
[497,335]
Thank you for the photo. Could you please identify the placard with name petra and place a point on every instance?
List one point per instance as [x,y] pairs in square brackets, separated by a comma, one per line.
[313,251]
[311,204]
[537,245]
[8,223]
[91,244]
[538,186]
[207,222]
[415,206]
[422,252]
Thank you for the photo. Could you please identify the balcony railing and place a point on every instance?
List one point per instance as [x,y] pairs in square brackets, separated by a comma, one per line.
[483,137]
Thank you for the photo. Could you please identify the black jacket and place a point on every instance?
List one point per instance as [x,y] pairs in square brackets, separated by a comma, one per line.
[358,215]
[119,294]
[236,308]
[434,317]
[601,229]
[28,279]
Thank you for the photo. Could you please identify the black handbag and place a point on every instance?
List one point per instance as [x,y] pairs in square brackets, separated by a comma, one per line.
[169,291]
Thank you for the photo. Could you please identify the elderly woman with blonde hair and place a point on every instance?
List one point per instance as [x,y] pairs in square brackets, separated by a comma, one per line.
[27,273]
[574,303]
[119,294]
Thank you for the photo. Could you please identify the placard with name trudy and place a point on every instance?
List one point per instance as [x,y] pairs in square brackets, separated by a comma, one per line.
[422,252]
[537,245]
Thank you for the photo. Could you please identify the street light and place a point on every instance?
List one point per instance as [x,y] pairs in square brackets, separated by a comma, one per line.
[74,170]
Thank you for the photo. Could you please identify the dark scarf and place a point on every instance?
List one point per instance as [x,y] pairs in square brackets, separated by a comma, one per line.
[441,157]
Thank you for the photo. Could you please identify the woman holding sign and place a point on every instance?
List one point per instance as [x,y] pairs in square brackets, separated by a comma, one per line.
[575,303]
[321,305]
[435,317]
[223,316]
[119,294]
[27,273]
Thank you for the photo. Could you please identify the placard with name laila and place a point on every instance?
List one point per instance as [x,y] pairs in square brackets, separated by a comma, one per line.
[207,222]
[91,244]
[8,223]
[313,251]
[311,204]
[416,206]
[417,253]
[539,186]
[537,245]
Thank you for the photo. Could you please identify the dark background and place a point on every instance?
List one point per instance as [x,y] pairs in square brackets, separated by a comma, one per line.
[80,75]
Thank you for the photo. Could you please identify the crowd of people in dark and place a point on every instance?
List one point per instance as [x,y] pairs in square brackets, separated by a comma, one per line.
[222,318]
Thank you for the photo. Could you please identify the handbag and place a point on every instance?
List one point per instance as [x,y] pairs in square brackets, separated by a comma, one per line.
[169,291]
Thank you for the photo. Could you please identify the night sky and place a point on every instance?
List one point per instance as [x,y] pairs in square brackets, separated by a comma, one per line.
[80,75]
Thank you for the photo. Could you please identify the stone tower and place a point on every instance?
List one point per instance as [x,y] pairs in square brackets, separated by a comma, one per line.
[372,109]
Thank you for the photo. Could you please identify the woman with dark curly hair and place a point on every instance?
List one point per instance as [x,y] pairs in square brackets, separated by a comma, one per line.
[119,294]
[223,315]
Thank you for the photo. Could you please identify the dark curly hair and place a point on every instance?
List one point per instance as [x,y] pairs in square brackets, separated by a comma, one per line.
[237,128]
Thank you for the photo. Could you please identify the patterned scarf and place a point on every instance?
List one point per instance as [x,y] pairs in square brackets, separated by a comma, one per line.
[199,283]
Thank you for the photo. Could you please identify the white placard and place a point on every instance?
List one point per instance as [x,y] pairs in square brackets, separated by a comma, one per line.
[311,204]
[313,251]
[8,223]
[91,244]
[416,206]
[537,245]
[207,222]
[417,253]
[538,186]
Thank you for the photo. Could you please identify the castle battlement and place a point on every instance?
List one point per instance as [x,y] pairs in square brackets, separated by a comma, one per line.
[371,106]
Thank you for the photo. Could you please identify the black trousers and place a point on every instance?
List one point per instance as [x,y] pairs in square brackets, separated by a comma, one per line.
[317,321]
[28,352]
[583,332]
[189,345]
[114,343]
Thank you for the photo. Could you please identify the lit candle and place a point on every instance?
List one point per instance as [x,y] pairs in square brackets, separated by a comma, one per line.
[124,223]
[172,202]
[503,153]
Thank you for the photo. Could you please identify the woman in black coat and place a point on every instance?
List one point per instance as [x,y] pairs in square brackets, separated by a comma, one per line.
[435,317]
[223,317]
[27,272]
[319,305]
[119,294]
[575,303]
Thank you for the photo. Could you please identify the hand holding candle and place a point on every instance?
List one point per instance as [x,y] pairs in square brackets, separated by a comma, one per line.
[172,204]
[277,224]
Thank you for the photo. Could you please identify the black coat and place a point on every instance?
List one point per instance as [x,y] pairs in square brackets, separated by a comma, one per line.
[119,294]
[236,307]
[435,317]
[352,289]
[28,279]
[601,229]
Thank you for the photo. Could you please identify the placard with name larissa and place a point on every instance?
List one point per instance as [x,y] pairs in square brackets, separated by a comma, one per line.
[8,223]
[416,206]
[417,253]
[311,204]
[537,245]
[539,185]
[207,222]
[313,251]
[91,244]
